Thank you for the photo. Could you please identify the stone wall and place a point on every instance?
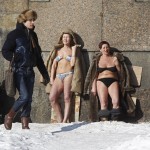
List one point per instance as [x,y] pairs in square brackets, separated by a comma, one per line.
[125,24]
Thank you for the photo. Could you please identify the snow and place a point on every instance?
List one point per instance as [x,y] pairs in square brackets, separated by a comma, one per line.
[108,135]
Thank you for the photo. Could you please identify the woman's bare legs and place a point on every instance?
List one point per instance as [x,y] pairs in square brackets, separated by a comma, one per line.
[114,94]
[113,91]
[56,90]
[67,97]
[102,92]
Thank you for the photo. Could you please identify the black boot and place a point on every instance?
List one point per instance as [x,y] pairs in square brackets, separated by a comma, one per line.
[9,119]
[104,114]
[115,114]
[25,122]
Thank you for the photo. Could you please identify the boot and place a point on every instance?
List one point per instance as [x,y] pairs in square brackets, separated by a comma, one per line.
[115,114]
[104,118]
[9,119]
[104,114]
[25,122]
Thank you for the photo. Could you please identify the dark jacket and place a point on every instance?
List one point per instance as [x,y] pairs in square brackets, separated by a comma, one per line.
[23,45]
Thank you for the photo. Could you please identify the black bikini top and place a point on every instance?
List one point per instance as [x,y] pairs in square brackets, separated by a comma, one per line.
[112,69]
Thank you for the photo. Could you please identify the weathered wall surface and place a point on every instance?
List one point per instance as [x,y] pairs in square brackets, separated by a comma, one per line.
[82,16]
[9,10]
[126,26]
[124,23]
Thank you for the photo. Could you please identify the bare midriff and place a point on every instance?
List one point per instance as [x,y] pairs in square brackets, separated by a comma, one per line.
[63,66]
[108,74]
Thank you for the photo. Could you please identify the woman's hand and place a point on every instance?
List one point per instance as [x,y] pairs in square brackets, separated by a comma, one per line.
[93,91]
[74,48]
[51,81]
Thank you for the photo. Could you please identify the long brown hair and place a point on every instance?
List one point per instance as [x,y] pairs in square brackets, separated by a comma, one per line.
[72,43]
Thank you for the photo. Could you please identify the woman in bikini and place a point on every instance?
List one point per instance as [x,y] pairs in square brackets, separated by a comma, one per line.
[61,75]
[106,82]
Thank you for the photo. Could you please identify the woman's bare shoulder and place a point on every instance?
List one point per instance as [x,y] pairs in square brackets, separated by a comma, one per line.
[114,58]
[59,51]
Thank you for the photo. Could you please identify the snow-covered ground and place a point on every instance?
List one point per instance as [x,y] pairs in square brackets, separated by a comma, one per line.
[77,136]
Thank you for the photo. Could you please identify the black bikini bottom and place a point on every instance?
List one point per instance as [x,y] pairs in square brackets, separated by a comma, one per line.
[107,81]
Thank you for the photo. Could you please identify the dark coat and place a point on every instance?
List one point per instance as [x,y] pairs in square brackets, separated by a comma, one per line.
[23,45]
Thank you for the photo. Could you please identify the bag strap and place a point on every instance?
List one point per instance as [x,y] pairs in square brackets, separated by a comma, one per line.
[11,62]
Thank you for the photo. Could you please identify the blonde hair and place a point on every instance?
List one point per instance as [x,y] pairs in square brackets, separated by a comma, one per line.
[27,14]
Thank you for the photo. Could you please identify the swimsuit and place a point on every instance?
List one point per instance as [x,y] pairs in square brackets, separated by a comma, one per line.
[112,69]
[61,76]
[58,58]
[107,81]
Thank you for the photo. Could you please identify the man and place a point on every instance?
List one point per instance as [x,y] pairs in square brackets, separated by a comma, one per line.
[23,48]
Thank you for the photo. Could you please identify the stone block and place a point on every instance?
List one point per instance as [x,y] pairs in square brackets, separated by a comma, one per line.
[39,0]
[142,0]
[8,21]
[13,7]
[83,17]
[126,24]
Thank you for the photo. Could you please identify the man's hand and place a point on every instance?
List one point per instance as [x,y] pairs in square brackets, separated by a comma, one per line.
[46,79]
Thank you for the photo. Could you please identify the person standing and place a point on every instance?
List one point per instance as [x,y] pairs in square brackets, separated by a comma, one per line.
[23,48]
[65,67]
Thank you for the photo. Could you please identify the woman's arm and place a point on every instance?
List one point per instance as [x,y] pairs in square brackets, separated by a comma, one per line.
[53,71]
[94,88]
[73,58]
